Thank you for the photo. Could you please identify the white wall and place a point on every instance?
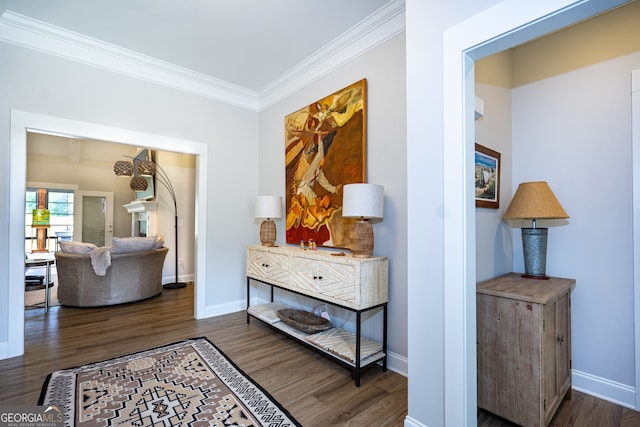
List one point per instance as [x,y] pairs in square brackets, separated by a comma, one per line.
[39,83]
[384,69]
[574,131]
[426,22]
[494,243]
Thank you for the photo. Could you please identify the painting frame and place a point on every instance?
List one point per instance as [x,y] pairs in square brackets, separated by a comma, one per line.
[149,193]
[325,149]
[487,177]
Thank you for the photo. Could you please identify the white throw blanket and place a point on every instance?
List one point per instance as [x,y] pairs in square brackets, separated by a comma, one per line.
[101,260]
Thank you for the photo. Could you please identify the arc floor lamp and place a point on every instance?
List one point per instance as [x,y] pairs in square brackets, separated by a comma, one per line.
[148,168]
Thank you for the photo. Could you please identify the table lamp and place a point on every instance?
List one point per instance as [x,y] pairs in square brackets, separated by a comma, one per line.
[268,207]
[363,201]
[532,201]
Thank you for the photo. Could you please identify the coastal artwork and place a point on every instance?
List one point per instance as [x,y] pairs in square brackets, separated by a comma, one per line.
[487,177]
[325,148]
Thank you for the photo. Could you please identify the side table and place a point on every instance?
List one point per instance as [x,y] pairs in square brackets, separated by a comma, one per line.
[47,263]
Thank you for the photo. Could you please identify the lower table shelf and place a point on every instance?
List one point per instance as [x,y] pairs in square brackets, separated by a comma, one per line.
[335,343]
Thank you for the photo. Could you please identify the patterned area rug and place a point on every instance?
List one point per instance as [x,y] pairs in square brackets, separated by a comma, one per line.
[188,383]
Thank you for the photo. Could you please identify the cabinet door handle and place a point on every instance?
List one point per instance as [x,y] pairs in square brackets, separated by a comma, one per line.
[265,265]
[317,277]
[560,339]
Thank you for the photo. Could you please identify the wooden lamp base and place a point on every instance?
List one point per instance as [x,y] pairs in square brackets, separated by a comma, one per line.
[268,232]
[361,239]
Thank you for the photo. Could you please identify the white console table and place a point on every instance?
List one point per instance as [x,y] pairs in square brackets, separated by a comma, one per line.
[355,284]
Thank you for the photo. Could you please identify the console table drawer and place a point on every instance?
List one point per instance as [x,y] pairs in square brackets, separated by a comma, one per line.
[334,281]
[267,266]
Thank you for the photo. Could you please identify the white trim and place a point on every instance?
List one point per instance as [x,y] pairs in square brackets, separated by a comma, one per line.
[31,33]
[58,186]
[23,122]
[379,27]
[34,34]
[635,148]
[505,25]
[411,422]
[605,389]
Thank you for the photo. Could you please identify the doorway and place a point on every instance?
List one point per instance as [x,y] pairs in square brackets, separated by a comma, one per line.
[498,28]
[21,124]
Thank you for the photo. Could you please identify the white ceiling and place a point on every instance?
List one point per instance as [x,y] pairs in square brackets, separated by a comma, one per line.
[249,44]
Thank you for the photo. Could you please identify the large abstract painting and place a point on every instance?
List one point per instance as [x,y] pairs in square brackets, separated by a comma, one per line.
[325,149]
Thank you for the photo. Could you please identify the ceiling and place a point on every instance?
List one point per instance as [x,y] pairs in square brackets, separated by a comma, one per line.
[248,44]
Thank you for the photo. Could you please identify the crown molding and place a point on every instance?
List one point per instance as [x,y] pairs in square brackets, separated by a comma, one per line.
[30,33]
[33,34]
[379,27]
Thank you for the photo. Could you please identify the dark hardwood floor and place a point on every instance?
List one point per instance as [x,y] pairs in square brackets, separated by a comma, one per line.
[316,391]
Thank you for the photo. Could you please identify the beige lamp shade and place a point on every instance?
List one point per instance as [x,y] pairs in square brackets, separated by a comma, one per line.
[534,200]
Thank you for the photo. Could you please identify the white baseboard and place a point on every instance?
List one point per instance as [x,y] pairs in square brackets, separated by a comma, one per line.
[4,350]
[602,388]
[398,364]
[410,422]
[226,308]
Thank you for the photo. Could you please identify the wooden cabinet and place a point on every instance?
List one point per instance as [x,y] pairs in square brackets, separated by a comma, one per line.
[355,284]
[524,347]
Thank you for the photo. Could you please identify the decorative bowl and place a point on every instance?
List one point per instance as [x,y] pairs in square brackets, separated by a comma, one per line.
[303,320]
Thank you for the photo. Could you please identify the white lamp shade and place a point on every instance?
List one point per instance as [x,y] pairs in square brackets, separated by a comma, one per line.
[363,201]
[268,207]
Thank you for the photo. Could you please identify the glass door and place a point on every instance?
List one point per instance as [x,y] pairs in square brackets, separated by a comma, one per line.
[93,217]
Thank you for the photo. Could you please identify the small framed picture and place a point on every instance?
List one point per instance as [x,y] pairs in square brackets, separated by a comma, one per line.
[487,180]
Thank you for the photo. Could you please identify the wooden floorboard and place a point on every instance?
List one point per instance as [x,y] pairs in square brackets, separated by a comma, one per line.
[315,390]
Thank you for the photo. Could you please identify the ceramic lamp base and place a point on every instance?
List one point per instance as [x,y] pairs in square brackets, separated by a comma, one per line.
[268,232]
[361,239]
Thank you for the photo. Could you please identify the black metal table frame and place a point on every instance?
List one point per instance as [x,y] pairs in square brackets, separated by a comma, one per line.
[357,369]
[46,263]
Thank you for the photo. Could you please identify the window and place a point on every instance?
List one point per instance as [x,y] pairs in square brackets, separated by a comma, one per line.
[60,205]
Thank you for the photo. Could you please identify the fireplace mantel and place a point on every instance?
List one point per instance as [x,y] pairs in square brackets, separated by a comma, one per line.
[143,217]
